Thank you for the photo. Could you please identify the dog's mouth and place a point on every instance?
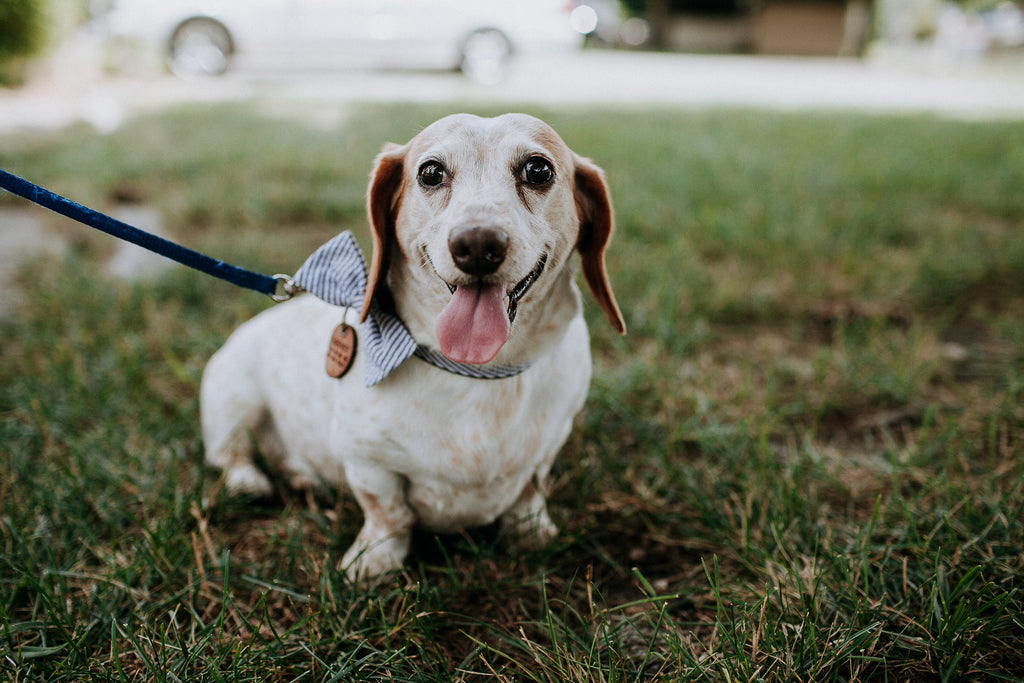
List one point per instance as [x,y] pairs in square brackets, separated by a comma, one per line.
[477,321]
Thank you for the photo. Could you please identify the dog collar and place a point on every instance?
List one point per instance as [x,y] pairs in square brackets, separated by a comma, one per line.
[336,273]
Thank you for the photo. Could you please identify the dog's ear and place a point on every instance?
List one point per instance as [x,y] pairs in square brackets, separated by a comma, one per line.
[597,222]
[383,198]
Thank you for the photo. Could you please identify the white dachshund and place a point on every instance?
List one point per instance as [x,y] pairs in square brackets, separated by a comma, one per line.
[463,356]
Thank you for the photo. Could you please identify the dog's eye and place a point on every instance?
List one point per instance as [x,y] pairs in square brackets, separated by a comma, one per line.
[431,174]
[537,171]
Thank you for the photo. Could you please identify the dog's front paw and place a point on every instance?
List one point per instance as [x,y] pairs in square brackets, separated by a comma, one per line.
[530,532]
[371,556]
[527,523]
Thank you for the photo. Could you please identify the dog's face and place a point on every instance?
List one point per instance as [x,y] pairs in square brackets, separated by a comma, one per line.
[474,222]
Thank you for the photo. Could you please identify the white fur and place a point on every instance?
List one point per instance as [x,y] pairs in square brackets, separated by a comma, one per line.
[426,446]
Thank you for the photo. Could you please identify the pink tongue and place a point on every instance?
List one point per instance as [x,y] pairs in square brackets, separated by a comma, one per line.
[474,326]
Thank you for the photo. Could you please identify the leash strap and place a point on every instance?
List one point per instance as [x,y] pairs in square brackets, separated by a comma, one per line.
[278,287]
[336,273]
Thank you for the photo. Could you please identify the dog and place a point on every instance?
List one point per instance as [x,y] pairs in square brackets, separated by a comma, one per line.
[474,225]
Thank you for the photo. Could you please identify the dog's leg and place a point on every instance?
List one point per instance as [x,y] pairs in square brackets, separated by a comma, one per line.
[231,419]
[233,456]
[527,523]
[383,542]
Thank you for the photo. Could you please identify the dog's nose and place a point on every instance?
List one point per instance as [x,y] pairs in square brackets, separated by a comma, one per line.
[478,250]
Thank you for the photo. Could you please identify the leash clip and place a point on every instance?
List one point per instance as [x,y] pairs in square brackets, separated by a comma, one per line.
[286,288]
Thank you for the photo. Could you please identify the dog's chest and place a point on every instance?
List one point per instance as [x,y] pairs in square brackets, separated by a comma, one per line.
[467,449]
[469,476]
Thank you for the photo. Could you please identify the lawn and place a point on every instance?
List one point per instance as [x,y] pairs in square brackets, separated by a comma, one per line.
[804,463]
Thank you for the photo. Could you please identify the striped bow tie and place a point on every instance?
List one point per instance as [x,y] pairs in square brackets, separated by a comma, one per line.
[336,273]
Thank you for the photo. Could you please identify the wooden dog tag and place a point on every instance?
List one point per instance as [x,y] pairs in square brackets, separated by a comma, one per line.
[341,351]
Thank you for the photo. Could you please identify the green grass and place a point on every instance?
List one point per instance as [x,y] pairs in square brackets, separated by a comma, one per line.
[803,464]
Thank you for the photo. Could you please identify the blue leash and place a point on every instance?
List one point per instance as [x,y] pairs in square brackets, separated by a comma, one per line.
[278,287]
[336,273]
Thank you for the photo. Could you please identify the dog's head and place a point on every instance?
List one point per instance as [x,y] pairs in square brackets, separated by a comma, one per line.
[474,222]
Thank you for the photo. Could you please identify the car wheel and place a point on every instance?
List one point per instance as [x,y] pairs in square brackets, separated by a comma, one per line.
[485,56]
[200,47]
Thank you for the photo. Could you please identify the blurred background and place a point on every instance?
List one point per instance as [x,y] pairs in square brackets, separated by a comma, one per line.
[68,60]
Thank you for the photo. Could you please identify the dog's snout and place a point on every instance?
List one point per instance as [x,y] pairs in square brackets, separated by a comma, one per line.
[478,250]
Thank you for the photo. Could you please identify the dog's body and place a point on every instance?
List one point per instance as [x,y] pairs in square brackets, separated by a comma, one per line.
[474,222]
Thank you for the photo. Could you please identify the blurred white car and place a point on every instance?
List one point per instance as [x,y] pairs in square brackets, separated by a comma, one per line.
[203,37]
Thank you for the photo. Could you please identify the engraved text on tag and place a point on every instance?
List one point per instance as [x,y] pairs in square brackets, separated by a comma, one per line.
[341,351]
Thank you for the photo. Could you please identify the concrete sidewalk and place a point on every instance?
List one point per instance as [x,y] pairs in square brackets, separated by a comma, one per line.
[70,87]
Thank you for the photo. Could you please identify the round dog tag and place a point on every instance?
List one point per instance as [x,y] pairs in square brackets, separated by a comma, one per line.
[341,351]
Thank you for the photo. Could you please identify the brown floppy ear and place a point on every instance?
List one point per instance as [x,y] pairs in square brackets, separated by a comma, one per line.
[597,222]
[382,201]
